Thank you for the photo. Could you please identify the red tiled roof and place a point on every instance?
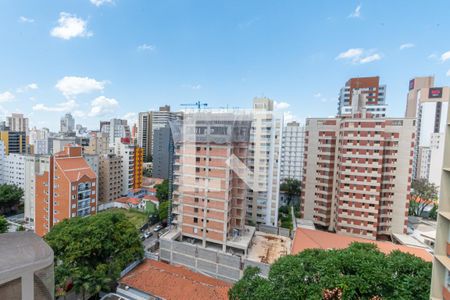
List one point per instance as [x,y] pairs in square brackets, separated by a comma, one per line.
[150,198]
[128,200]
[174,282]
[317,239]
[75,168]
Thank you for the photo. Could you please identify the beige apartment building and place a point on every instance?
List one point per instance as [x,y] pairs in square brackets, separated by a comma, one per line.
[211,151]
[440,282]
[110,178]
[357,174]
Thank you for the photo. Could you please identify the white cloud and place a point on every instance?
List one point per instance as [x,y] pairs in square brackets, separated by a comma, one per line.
[79,114]
[192,86]
[281,105]
[146,47]
[102,105]
[32,86]
[359,56]
[23,19]
[356,13]
[59,107]
[131,117]
[6,97]
[448,73]
[28,87]
[370,58]
[432,56]
[70,26]
[351,53]
[101,2]
[317,95]
[445,56]
[73,85]
[406,46]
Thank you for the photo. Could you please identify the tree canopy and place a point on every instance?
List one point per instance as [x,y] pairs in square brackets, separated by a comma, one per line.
[291,187]
[163,211]
[10,196]
[91,252]
[423,193]
[357,272]
[162,191]
[3,225]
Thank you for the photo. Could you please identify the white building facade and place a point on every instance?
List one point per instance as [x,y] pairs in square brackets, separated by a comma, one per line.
[265,163]
[292,151]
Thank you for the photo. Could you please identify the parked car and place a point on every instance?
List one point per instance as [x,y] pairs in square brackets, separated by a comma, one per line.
[148,234]
[158,228]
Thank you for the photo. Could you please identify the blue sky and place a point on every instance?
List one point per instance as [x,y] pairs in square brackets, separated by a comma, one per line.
[101,59]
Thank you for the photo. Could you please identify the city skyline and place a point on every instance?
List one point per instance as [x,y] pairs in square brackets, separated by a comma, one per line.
[67,58]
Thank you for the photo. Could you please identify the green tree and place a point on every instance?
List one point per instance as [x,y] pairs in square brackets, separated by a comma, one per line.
[4,225]
[357,272]
[291,187]
[433,212]
[10,197]
[163,210]
[162,191]
[423,194]
[20,228]
[91,252]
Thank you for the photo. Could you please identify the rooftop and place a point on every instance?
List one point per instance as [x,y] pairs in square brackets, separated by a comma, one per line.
[173,282]
[267,248]
[23,251]
[316,239]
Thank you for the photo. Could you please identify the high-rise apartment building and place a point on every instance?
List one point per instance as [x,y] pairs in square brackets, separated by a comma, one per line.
[162,152]
[428,105]
[151,121]
[12,169]
[357,174]
[292,150]
[116,129]
[17,123]
[110,178]
[375,95]
[264,163]
[440,281]
[67,124]
[126,151]
[14,141]
[138,170]
[39,139]
[211,156]
[66,189]
[144,136]
[98,143]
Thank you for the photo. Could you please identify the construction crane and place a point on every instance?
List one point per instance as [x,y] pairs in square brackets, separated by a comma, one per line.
[198,104]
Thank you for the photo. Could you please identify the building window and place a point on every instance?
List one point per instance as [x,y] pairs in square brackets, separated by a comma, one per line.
[195,220]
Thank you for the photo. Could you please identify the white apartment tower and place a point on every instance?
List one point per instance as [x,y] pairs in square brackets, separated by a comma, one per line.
[292,151]
[265,163]
[18,123]
[125,151]
[67,124]
[428,105]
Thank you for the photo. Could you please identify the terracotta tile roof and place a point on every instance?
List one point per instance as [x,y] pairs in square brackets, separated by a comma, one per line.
[317,239]
[128,200]
[151,198]
[174,282]
[75,168]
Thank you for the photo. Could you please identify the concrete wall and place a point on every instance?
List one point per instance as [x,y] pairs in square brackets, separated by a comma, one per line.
[210,262]
[275,230]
